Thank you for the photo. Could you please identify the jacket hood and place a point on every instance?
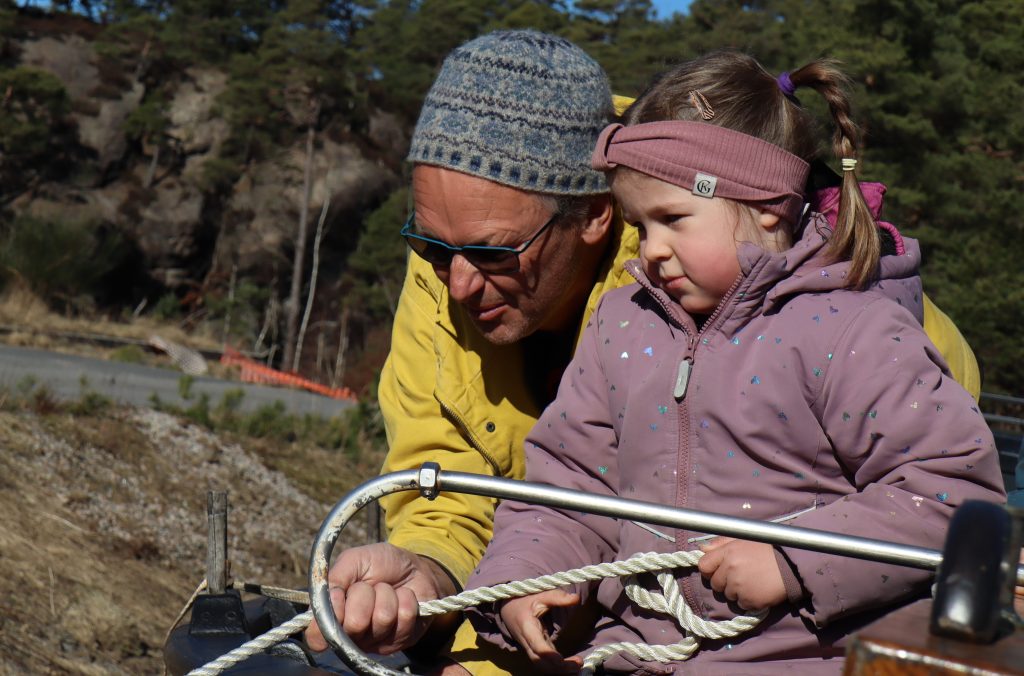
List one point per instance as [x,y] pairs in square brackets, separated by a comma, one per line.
[826,203]
[768,279]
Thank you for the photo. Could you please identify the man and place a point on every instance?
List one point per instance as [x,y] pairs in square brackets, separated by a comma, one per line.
[501,159]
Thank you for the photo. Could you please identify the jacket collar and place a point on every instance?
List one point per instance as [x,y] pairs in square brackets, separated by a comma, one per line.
[768,279]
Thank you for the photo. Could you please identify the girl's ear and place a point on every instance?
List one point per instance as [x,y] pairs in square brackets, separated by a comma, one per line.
[599,220]
[767,221]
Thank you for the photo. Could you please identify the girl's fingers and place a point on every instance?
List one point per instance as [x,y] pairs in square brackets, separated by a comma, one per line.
[712,559]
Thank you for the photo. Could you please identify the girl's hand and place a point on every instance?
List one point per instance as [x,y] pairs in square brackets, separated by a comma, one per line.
[745,572]
[522,617]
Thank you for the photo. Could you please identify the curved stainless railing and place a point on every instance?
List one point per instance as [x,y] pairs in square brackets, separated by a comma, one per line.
[429,480]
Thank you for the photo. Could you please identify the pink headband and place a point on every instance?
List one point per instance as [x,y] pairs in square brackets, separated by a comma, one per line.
[711,161]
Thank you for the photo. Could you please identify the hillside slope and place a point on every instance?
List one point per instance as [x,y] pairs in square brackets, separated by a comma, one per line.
[103,536]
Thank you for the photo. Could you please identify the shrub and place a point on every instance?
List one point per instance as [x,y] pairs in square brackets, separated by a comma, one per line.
[61,260]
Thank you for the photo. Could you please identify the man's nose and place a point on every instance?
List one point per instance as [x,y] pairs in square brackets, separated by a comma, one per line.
[464,280]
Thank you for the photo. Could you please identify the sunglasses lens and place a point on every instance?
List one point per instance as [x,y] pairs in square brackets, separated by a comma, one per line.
[435,254]
[492,261]
[485,259]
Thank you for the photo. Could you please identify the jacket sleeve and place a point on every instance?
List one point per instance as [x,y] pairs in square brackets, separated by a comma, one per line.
[954,348]
[914,446]
[572,446]
[454,528]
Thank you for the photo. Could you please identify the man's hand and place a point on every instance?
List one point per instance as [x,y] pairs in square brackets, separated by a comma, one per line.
[375,591]
[522,617]
[745,572]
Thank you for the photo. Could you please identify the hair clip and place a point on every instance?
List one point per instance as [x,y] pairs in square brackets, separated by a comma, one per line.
[701,104]
[849,164]
[786,84]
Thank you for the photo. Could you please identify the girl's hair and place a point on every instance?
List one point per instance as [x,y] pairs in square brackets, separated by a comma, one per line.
[733,90]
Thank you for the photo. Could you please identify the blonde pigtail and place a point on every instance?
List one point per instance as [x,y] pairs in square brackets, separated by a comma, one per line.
[856,235]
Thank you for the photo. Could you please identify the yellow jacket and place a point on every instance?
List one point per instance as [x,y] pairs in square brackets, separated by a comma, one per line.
[449,396]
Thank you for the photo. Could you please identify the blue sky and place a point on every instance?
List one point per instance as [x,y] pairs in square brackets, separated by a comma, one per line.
[666,8]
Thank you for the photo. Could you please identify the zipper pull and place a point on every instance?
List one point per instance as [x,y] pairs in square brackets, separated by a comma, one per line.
[682,379]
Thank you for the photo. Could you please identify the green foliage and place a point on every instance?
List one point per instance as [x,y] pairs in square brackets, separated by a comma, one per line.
[167,307]
[60,260]
[354,432]
[148,120]
[28,395]
[37,102]
[185,387]
[219,174]
[294,77]
[89,402]
[377,266]
[128,354]
[242,314]
[937,84]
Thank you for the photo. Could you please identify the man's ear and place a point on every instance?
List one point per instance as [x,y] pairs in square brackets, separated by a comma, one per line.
[598,223]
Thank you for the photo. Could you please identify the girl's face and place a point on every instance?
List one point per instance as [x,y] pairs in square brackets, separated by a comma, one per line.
[687,242]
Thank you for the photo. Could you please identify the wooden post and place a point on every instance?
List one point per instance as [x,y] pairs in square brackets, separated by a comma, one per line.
[217,541]
[373,522]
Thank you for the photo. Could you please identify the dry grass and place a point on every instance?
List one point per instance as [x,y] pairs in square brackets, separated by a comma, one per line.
[103,536]
[35,325]
[103,533]
[26,321]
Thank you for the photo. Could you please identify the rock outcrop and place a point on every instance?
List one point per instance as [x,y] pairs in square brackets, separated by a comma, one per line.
[160,194]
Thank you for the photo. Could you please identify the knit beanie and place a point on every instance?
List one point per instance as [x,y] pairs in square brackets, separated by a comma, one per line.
[521,108]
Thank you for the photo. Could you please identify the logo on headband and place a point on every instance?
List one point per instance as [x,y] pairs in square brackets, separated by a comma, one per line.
[704,185]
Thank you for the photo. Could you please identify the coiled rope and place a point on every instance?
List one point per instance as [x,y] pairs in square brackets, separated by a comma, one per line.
[669,601]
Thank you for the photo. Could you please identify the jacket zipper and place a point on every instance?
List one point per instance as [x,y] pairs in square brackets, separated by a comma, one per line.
[681,384]
[684,462]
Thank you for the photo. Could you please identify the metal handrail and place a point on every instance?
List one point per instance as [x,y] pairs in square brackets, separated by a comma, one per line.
[1005,398]
[429,480]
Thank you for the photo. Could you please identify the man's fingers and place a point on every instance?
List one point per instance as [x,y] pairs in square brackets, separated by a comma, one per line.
[408,612]
[359,610]
[314,637]
[385,614]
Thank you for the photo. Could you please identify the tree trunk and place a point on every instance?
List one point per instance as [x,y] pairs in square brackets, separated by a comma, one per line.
[339,361]
[312,284]
[292,305]
[151,171]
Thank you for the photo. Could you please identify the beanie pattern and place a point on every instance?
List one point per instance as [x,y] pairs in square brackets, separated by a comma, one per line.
[520,108]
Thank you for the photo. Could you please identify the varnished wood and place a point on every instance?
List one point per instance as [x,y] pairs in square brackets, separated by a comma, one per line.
[899,644]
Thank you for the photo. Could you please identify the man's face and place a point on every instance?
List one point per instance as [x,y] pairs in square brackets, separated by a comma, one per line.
[461,210]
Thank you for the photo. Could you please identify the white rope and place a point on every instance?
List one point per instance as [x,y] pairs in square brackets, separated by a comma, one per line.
[257,645]
[669,601]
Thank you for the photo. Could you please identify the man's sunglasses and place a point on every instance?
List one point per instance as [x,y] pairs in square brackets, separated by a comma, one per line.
[483,258]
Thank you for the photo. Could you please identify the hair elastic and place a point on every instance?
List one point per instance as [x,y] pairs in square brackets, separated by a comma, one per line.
[849,164]
[785,84]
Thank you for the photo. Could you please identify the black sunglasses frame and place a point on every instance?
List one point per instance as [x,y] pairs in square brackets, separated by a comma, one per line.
[483,258]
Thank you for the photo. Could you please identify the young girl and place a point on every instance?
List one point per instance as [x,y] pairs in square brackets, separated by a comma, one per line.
[769,364]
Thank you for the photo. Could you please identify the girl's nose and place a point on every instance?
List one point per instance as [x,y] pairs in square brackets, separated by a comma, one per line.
[656,246]
[462,278]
